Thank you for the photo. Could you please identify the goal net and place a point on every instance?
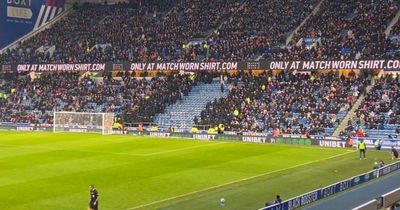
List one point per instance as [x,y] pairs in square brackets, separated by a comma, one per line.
[83,122]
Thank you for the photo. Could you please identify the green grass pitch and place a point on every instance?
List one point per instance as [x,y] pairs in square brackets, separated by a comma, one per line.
[43,171]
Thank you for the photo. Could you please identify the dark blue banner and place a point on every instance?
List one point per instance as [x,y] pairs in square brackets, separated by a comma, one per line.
[389,169]
[297,202]
[19,17]
[335,188]
[315,195]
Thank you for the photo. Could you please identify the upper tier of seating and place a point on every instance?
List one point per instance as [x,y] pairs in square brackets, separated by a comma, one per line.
[258,28]
[345,30]
[393,49]
[173,30]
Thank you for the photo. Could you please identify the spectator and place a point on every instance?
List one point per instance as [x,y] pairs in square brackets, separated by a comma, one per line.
[395,154]
[278,199]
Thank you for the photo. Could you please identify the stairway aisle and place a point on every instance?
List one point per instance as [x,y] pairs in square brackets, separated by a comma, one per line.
[351,113]
[182,113]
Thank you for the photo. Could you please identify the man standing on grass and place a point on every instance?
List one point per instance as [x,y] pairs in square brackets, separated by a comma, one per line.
[395,154]
[94,198]
[362,147]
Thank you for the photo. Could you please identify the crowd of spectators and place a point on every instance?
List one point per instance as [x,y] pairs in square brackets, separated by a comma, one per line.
[344,30]
[95,33]
[259,27]
[381,105]
[393,49]
[184,30]
[293,103]
[33,98]
[70,36]
[149,31]
[188,21]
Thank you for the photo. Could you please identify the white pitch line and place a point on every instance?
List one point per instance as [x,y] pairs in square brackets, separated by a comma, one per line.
[237,181]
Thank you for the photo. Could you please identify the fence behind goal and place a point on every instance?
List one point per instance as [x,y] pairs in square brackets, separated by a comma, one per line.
[83,122]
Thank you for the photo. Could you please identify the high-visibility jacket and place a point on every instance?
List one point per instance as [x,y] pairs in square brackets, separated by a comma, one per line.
[211,131]
[195,130]
[221,127]
[377,142]
[361,145]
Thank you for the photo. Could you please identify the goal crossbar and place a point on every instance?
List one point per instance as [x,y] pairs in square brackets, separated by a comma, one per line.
[83,122]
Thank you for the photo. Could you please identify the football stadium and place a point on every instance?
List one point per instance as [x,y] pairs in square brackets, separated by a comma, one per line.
[199,104]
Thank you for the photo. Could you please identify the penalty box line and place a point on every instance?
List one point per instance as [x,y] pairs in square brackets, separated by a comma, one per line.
[238,181]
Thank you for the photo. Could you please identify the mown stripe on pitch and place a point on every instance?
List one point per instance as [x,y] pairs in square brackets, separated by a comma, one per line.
[237,181]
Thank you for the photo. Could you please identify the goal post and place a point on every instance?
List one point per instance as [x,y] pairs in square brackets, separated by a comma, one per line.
[83,122]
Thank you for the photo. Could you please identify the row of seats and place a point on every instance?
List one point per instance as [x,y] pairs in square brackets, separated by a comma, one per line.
[183,113]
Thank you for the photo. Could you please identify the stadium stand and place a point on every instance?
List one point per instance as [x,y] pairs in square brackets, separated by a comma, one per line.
[233,30]
[70,36]
[154,31]
[180,37]
[295,103]
[185,113]
[94,33]
[252,32]
[345,30]
[33,100]
[379,114]
[214,30]
[393,49]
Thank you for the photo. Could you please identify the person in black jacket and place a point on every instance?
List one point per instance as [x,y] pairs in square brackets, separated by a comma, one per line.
[278,199]
[395,154]
[94,198]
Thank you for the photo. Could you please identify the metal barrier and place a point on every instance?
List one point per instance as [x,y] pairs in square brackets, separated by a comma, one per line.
[318,194]
[391,197]
[384,201]
[371,205]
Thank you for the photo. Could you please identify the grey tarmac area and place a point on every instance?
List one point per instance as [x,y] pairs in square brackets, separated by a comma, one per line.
[359,195]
